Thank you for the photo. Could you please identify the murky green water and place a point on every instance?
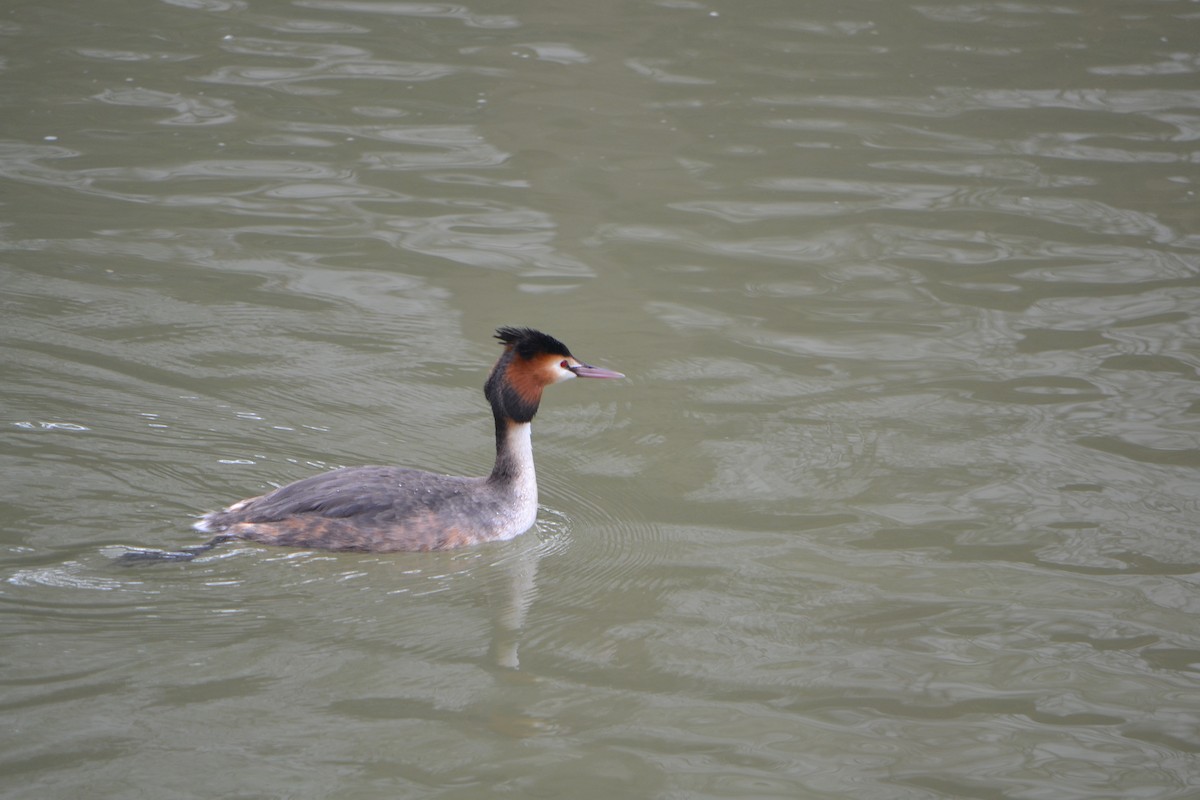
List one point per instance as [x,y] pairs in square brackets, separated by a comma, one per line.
[900,499]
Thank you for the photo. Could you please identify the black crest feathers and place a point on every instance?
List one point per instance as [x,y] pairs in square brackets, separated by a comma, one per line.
[528,343]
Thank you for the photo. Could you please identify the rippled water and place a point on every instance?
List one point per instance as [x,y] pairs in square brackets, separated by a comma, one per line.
[899,500]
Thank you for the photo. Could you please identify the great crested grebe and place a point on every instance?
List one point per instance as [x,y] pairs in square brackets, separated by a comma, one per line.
[383,509]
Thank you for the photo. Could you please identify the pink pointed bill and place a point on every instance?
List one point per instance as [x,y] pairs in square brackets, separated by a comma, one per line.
[588,371]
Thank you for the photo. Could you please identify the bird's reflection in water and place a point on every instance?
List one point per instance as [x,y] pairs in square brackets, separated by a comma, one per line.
[517,589]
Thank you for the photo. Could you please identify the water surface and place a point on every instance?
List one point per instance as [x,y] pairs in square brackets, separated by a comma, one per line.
[899,499]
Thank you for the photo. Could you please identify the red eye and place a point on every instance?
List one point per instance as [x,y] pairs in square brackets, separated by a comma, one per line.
[564,364]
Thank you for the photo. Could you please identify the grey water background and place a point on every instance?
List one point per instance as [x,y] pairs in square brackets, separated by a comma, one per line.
[899,499]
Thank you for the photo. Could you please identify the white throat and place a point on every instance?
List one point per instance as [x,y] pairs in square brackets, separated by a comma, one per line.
[518,447]
[522,506]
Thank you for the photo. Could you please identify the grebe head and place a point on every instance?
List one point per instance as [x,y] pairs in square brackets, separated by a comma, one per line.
[531,361]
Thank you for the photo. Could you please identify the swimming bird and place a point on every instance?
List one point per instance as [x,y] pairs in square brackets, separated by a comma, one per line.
[385,509]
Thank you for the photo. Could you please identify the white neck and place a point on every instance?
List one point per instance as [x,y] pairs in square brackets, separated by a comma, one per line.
[518,451]
[514,462]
